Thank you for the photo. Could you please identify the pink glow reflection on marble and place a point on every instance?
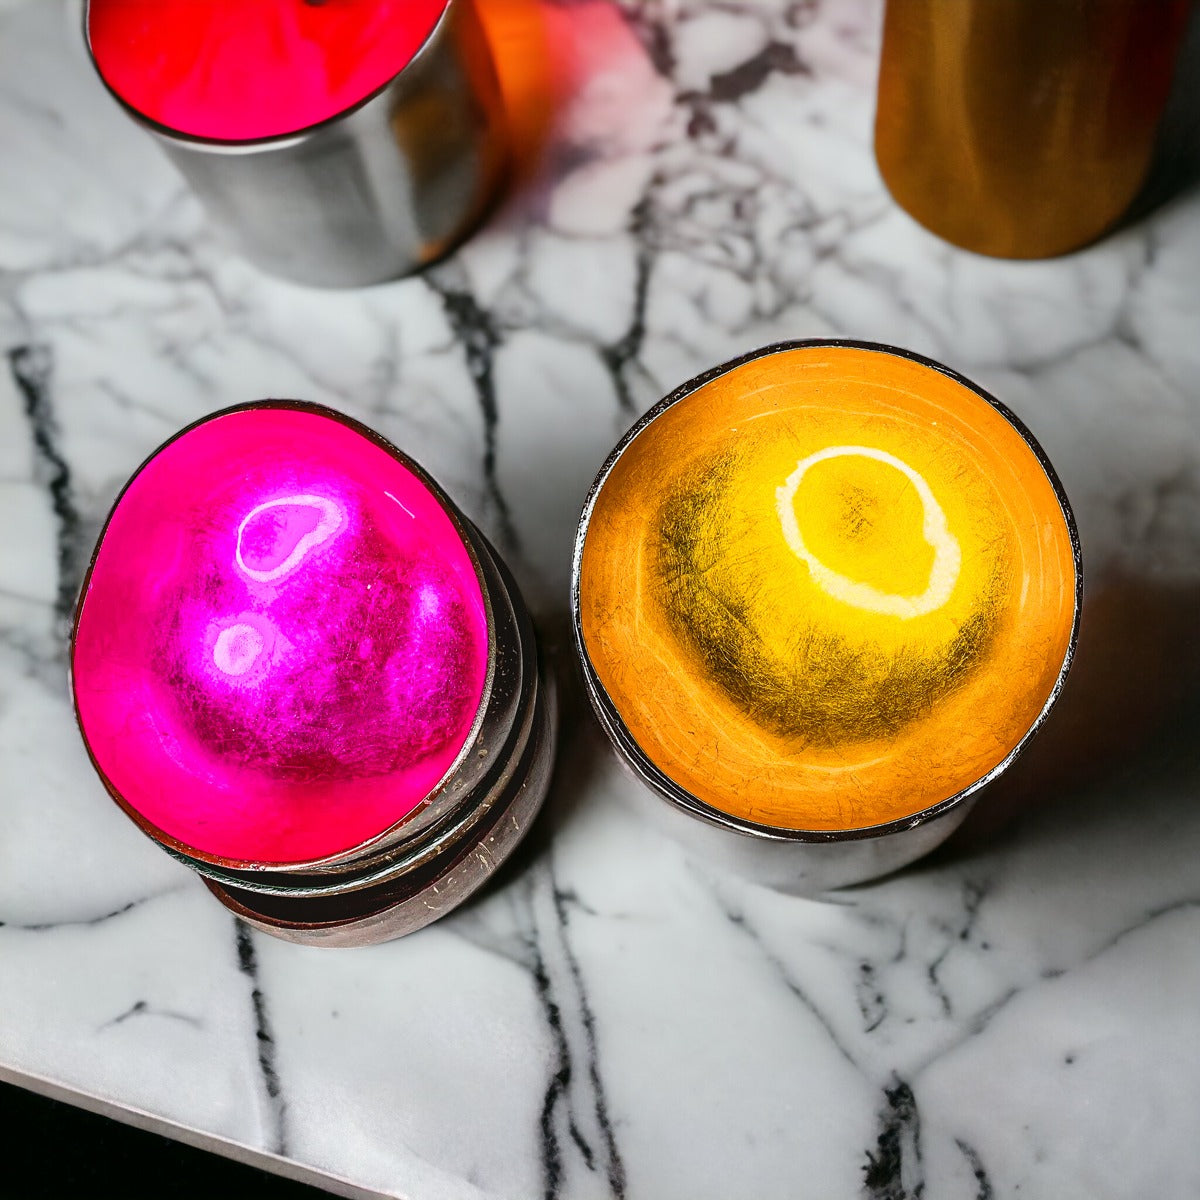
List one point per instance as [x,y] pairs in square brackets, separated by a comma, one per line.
[284,642]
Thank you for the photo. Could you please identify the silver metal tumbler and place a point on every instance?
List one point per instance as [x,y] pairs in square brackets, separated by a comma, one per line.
[379,190]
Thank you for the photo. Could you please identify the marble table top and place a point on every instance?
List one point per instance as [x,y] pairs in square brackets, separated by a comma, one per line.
[1015,1017]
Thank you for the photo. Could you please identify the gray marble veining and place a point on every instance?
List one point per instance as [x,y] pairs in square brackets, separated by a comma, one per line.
[1016,1018]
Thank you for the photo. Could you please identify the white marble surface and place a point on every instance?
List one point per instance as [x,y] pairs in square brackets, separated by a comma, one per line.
[1017,1018]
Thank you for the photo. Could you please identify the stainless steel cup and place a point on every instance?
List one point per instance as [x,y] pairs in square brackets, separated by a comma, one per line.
[374,193]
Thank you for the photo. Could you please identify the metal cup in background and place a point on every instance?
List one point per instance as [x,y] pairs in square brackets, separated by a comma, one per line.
[1023,130]
[376,192]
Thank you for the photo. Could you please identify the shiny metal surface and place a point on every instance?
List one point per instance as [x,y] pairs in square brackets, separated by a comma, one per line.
[375,193]
[805,861]
[1023,130]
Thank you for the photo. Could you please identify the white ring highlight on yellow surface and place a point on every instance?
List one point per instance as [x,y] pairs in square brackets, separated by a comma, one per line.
[947,556]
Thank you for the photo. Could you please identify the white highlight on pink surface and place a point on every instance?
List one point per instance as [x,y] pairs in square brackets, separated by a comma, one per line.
[237,649]
[394,500]
[429,603]
[330,519]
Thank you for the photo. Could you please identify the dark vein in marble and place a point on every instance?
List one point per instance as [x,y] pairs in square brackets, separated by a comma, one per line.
[741,923]
[728,87]
[479,337]
[248,965]
[747,77]
[1152,915]
[86,922]
[651,27]
[618,356]
[32,368]
[581,1144]
[984,1190]
[614,1166]
[39,657]
[551,1151]
[872,1003]
[977,1023]
[973,896]
[141,1009]
[559,1115]
[971,1026]
[893,1170]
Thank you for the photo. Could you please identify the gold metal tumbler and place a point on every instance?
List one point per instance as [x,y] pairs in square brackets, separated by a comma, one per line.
[1023,129]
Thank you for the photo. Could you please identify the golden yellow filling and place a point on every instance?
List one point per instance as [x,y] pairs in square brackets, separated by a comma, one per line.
[828,589]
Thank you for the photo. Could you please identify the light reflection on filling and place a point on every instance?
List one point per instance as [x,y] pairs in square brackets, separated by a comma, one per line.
[371,629]
[237,649]
[947,555]
[274,536]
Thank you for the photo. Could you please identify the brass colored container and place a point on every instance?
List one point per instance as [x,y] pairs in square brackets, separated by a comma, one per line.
[1023,129]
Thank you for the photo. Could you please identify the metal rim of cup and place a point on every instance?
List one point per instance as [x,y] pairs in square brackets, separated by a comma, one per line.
[644,767]
[506,695]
